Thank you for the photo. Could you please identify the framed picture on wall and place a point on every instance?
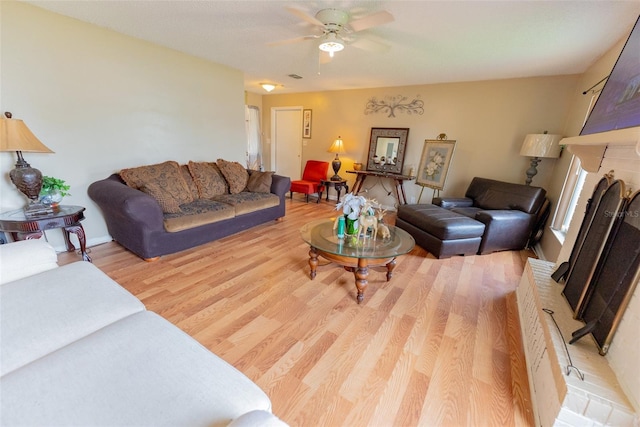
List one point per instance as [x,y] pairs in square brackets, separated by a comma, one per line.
[434,163]
[306,124]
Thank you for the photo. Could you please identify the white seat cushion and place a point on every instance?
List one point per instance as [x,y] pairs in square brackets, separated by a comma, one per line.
[46,311]
[25,258]
[140,371]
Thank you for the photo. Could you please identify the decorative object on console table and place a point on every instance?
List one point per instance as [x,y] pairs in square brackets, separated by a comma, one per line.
[539,146]
[53,190]
[386,149]
[16,136]
[338,148]
[306,124]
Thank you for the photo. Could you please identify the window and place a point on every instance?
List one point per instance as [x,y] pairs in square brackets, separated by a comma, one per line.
[254,141]
[569,198]
[573,183]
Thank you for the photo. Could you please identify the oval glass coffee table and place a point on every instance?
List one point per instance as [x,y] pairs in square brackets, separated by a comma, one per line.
[355,255]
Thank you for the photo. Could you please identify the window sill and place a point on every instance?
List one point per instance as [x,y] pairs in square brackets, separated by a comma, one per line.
[559,235]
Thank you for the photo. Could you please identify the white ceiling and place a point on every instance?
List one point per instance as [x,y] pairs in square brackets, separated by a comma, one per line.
[431,41]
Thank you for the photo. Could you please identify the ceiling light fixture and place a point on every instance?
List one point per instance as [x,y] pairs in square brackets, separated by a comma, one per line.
[268,86]
[331,44]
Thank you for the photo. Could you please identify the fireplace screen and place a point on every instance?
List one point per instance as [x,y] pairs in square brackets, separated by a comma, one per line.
[615,281]
[592,204]
[606,215]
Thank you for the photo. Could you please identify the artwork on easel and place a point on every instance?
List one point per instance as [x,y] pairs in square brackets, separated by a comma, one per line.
[434,163]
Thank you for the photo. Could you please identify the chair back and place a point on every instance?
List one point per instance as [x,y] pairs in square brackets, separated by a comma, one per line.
[315,170]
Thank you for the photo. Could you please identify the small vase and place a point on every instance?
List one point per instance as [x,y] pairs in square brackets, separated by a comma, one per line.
[50,198]
[351,226]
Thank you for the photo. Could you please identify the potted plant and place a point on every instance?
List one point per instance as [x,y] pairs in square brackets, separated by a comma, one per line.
[53,190]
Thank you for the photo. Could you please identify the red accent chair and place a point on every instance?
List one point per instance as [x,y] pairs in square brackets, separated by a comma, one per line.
[314,171]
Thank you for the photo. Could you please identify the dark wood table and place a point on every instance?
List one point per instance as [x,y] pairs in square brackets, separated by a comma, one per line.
[355,255]
[338,185]
[65,217]
[397,179]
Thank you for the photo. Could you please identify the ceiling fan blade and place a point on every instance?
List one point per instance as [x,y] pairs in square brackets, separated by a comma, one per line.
[291,41]
[370,45]
[304,16]
[373,20]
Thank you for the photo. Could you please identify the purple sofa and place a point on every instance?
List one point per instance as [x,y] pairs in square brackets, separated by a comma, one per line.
[136,221]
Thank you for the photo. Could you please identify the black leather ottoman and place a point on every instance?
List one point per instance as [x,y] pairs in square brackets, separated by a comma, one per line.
[440,231]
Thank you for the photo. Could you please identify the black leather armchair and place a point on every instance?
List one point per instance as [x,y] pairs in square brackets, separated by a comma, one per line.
[510,212]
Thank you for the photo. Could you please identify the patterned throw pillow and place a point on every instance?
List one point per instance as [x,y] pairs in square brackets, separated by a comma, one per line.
[260,182]
[165,175]
[191,184]
[236,175]
[208,179]
[166,201]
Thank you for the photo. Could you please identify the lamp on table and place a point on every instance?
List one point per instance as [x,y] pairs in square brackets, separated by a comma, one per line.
[538,146]
[338,148]
[16,136]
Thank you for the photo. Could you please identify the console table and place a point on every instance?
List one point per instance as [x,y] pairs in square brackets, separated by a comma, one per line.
[66,217]
[397,179]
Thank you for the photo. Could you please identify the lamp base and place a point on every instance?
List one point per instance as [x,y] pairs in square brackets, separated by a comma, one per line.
[532,171]
[336,164]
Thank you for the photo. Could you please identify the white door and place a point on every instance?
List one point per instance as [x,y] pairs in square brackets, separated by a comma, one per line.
[286,141]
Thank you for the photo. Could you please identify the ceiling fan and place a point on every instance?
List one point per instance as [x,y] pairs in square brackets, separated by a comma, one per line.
[336,30]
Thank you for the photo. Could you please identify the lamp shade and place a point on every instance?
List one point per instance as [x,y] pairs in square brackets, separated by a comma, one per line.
[337,146]
[541,145]
[16,136]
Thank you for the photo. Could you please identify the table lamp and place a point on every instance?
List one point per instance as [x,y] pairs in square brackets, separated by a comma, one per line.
[538,146]
[16,136]
[338,148]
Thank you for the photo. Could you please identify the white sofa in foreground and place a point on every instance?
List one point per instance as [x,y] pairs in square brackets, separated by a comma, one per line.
[78,349]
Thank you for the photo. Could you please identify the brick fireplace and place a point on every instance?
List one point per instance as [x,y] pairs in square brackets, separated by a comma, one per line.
[609,394]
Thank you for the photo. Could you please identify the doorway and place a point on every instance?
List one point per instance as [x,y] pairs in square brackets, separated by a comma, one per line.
[286,141]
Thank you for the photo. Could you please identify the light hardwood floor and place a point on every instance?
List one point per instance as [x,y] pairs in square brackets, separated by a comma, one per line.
[438,345]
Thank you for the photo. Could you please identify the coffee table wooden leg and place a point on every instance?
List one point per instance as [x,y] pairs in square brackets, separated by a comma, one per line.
[313,262]
[390,266]
[361,273]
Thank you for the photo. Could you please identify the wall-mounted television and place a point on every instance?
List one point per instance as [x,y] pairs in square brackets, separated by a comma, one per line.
[618,106]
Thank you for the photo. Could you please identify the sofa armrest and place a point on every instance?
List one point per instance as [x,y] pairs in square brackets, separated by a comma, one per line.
[453,202]
[125,209]
[257,418]
[280,185]
[26,258]
[122,205]
[504,229]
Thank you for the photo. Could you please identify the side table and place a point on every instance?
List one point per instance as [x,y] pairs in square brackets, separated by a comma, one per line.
[338,185]
[66,217]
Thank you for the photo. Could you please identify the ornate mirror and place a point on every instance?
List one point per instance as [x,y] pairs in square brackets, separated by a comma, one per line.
[386,149]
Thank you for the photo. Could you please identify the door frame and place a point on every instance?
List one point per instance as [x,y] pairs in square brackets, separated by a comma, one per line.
[274,142]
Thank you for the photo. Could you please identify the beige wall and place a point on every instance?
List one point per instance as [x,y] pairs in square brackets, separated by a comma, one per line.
[103,101]
[489,120]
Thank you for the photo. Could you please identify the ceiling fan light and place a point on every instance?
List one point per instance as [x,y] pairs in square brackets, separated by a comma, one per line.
[331,44]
